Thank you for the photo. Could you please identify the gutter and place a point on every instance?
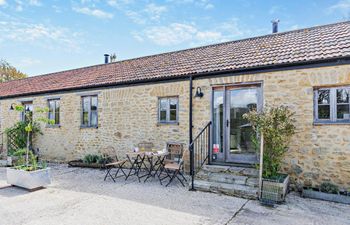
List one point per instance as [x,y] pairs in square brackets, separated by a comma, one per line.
[202,75]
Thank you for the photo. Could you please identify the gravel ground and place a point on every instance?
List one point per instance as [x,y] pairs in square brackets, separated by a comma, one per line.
[80,196]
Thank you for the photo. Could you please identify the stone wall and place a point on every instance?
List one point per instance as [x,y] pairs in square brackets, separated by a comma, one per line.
[128,115]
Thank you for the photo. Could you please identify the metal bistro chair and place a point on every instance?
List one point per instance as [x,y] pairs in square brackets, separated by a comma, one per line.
[110,153]
[173,166]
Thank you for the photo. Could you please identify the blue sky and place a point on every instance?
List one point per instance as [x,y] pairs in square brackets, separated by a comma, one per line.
[39,37]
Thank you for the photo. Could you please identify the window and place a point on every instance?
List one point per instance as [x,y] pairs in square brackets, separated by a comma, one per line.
[54,110]
[168,110]
[89,111]
[332,105]
[28,107]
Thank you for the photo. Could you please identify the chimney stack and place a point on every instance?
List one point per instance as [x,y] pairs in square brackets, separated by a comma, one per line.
[275,25]
[106,58]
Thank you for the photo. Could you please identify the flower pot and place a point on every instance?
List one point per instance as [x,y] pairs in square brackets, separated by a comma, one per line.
[28,179]
[309,193]
[3,162]
[275,190]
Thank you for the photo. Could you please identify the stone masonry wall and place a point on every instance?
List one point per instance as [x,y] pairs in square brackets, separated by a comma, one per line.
[128,115]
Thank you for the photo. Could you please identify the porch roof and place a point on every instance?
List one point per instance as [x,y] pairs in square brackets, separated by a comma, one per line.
[298,46]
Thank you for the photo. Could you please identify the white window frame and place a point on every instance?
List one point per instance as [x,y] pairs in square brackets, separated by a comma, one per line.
[167,120]
[332,103]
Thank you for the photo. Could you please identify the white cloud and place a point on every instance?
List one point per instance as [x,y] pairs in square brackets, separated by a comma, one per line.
[135,17]
[2,2]
[154,11]
[274,9]
[342,7]
[94,12]
[34,2]
[27,62]
[179,33]
[47,36]
[173,34]
[209,35]
[205,4]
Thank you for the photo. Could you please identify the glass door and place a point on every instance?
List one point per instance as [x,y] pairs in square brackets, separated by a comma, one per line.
[240,134]
[233,136]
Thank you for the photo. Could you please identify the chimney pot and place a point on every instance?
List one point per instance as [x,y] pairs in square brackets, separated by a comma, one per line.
[106,58]
[275,25]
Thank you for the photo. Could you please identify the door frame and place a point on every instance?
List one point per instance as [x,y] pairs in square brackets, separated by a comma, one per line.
[260,105]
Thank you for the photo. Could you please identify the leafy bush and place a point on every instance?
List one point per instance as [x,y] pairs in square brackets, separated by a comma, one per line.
[329,188]
[21,161]
[100,159]
[90,158]
[277,126]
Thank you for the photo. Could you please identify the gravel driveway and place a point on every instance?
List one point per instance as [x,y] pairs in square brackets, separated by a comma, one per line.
[80,196]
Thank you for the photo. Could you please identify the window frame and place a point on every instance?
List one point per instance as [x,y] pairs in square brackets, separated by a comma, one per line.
[167,120]
[332,106]
[59,112]
[82,125]
[24,104]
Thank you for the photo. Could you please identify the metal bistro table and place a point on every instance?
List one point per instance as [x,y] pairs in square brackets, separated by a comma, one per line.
[138,162]
[156,163]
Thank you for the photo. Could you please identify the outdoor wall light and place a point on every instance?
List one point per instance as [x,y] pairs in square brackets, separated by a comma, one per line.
[12,107]
[199,93]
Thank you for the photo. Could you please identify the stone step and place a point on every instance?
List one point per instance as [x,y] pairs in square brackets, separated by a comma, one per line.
[228,178]
[235,170]
[237,190]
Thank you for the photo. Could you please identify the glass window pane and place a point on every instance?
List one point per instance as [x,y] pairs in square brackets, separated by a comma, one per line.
[57,112]
[323,96]
[342,96]
[218,115]
[94,118]
[323,112]
[85,118]
[173,103]
[94,103]
[86,104]
[172,115]
[343,112]
[163,104]
[162,115]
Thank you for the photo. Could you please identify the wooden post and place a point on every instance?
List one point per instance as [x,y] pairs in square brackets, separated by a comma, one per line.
[261,163]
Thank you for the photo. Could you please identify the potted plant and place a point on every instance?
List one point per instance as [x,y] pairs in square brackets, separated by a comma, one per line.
[328,192]
[27,172]
[277,126]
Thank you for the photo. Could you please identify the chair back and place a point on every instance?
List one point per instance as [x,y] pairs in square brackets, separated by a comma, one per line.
[145,146]
[109,152]
[175,151]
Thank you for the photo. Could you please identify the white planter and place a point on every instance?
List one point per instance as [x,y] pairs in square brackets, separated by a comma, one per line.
[3,162]
[29,179]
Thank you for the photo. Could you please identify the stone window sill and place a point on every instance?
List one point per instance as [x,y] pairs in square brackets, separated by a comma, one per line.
[53,126]
[88,127]
[167,123]
[324,123]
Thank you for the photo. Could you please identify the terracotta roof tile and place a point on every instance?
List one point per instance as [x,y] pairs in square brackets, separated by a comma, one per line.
[317,43]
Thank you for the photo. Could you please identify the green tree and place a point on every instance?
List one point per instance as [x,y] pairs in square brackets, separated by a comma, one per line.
[8,72]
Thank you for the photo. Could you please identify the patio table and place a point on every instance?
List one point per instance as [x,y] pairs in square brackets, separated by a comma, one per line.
[136,159]
[156,162]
